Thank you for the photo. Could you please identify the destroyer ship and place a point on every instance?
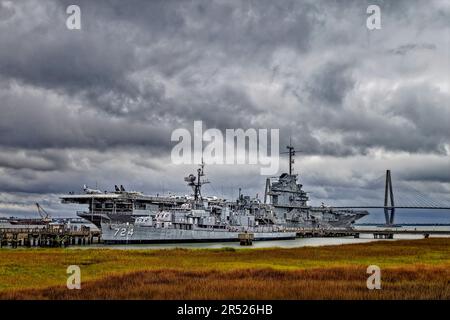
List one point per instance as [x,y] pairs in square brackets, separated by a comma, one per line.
[132,217]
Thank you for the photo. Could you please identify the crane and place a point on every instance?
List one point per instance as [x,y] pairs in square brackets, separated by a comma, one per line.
[45,216]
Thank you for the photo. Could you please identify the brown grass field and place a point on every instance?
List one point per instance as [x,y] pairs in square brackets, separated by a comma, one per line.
[410,269]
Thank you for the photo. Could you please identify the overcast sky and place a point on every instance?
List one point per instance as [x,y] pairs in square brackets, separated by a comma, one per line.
[98,105]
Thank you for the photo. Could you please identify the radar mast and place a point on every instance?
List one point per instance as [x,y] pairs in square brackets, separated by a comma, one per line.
[197,182]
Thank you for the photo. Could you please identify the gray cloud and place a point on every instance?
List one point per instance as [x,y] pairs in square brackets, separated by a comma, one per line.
[99,105]
[406,48]
[330,84]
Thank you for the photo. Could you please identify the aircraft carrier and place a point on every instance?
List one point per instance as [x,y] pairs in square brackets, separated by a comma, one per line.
[132,217]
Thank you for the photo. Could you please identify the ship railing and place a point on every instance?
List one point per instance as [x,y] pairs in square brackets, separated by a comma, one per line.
[100,212]
[258,229]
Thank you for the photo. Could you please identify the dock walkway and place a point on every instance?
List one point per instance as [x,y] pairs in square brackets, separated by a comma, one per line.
[47,237]
[378,233]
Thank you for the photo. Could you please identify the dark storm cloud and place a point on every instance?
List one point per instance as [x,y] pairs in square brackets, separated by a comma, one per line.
[45,160]
[438,172]
[415,119]
[99,105]
[34,121]
[120,39]
[330,84]
[6,12]
[406,48]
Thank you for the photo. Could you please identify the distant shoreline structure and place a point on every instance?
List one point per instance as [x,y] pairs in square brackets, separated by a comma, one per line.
[405,224]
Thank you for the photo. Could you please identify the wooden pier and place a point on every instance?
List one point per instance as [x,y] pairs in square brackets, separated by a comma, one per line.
[47,237]
[378,233]
[246,239]
[51,236]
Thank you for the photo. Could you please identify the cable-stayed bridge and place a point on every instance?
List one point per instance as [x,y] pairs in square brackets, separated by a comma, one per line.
[402,197]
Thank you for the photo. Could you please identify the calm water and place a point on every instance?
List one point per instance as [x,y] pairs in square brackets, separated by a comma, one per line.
[256,244]
[301,242]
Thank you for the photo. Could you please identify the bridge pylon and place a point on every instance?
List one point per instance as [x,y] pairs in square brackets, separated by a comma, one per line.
[389,208]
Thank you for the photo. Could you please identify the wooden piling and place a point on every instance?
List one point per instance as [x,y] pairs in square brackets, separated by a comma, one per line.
[45,237]
[246,239]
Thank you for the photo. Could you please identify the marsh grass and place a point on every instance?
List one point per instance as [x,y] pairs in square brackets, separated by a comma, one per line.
[411,269]
[417,282]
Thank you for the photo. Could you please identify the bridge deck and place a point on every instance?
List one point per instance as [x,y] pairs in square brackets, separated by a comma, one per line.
[377,233]
[394,231]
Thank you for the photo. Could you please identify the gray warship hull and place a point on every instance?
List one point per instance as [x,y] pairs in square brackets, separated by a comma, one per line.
[113,233]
